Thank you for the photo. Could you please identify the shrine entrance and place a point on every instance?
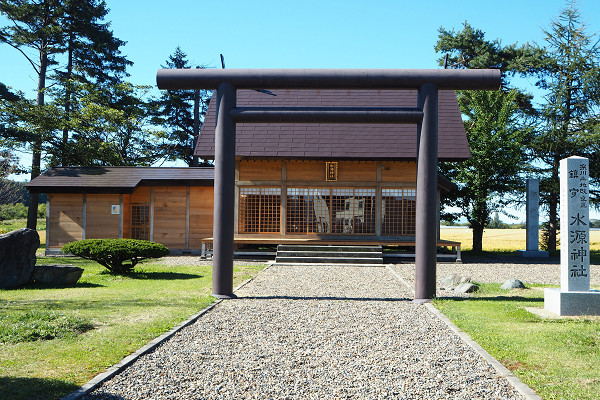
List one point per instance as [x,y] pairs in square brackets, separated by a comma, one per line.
[424,115]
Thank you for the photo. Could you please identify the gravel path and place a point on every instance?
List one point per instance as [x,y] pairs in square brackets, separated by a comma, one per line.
[313,332]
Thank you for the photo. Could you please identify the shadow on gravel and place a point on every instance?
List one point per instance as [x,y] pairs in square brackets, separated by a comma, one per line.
[388,299]
[103,396]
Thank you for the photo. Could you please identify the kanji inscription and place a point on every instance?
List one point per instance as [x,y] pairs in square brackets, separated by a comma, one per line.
[574,213]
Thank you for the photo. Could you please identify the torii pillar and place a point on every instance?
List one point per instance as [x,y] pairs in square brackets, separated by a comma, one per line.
[427,82]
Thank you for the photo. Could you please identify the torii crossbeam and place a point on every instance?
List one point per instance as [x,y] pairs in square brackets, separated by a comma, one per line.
[425,114]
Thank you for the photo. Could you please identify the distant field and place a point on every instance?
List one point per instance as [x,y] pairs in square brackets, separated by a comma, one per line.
[500,239]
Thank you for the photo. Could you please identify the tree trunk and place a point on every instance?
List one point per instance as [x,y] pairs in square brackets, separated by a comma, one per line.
[65,139]
[36,159]
[196,127]
[553,200]
[477,237]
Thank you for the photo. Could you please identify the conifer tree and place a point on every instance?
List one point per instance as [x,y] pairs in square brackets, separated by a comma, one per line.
[175,114]
[571,108]
[35,25]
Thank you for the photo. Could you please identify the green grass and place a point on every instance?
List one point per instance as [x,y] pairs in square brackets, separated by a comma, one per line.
[126,312]
[557,358]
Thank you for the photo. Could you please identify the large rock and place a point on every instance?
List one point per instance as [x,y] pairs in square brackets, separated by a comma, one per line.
[17,257]
[512,284]
[451,281]
[56,274]
[466,288]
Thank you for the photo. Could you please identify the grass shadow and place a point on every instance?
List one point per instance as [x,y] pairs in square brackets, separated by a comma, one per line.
[40,286]
[503,257]
[14,388]
[496,298]
[164,276]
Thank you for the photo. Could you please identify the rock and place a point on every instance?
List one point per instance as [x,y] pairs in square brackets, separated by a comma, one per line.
[466,288]
[451,281]
[56,274]
[512,284]
[17,257]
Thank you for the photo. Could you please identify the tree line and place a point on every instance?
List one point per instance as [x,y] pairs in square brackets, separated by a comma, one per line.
[513,135]
[86,112]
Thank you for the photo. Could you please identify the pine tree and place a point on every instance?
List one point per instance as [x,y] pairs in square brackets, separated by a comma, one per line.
[175,114]
[571,109]
[495,124]
[93,56]
[35,25]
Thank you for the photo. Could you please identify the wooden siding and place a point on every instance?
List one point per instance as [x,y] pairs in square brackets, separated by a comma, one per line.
[260,170]
[100,222]
[66,219]
[201,215]
[141,195]
[126,216]
[169,216]
[405,172]
[305,171]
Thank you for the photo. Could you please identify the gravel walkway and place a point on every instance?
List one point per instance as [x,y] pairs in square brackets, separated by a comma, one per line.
[313,332]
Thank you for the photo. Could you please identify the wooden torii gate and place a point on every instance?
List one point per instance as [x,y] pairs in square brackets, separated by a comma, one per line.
[424,114]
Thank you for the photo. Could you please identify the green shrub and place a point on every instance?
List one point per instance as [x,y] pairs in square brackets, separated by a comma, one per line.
[112,253]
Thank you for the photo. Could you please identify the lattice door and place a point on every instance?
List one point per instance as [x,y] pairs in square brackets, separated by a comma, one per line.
[140,221]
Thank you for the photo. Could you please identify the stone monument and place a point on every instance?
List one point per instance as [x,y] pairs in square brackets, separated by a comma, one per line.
[533,222]
[574,296]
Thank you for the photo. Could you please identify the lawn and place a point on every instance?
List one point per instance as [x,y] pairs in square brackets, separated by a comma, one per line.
[126,312]
[558,358]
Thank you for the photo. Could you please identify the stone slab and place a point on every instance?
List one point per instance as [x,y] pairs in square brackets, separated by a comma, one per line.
[533,253]
[572,303]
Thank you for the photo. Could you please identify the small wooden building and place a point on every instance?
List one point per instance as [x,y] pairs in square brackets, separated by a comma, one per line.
[295,183]
[172,206]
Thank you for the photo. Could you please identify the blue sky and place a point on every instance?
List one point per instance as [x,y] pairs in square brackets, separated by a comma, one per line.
[304,34]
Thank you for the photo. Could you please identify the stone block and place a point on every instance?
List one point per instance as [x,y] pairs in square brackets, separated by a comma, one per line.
[572,303]
[17,257]
[56,274]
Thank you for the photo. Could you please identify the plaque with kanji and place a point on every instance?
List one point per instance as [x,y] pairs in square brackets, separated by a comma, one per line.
[331,171]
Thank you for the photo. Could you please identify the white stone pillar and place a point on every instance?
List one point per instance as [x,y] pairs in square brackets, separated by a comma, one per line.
[574,225]
[574,296]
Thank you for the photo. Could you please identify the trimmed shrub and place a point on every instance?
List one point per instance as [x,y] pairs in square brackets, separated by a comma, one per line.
[113,253]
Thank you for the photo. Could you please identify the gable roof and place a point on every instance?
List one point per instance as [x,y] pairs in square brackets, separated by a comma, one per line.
[337,141]
[116,179]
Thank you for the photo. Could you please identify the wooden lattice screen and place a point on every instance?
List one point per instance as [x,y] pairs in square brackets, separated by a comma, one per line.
[260,209]
[398,208]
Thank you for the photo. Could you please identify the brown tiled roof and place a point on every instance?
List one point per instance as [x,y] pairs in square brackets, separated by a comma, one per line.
[338,141]
[116,179]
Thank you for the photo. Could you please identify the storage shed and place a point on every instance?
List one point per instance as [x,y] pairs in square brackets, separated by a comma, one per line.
[172,206]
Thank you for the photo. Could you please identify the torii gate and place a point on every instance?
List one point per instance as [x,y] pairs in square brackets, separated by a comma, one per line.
[425,114]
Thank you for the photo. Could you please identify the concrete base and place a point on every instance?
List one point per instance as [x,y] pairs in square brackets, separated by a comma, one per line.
[572,303]
[533,253]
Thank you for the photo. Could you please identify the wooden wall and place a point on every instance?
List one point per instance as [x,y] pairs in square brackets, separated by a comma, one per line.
[363,172]
[100,222]
[65,220]
[201,215]
[169,216]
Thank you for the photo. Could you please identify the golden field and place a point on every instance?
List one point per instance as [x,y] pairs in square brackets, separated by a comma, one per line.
[500,239]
